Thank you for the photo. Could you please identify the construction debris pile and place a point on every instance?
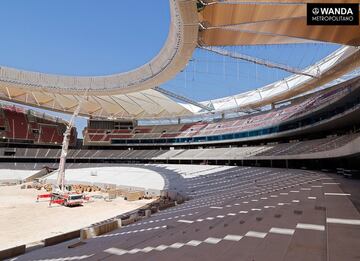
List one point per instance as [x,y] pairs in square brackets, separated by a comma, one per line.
[79,188]
[38,186]
[130,195]
[110,191]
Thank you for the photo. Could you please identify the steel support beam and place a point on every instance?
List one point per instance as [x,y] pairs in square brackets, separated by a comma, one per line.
[224,52]
[182,98]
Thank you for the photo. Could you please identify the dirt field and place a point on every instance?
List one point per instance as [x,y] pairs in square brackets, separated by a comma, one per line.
[23,220]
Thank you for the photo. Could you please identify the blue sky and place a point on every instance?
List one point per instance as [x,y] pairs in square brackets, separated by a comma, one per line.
[93,37]
[82,37]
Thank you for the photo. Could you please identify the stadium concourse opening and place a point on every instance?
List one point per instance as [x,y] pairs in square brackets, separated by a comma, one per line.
[239,140]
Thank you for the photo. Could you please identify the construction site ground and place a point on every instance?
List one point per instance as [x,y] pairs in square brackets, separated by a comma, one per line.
[24,221]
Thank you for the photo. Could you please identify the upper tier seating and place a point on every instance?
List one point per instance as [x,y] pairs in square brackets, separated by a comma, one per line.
[200,129]
[19,125]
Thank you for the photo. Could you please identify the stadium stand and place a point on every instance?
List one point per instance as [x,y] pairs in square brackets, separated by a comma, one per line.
[18,125]
[256,124]
[263,208]
[242,177]
[283,150]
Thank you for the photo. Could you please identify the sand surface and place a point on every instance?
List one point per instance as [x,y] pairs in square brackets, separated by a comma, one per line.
[23,220]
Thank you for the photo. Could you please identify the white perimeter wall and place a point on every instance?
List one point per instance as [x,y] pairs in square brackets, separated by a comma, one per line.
[11,174]
[122,176]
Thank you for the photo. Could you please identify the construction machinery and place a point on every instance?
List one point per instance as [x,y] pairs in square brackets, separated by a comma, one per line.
[67,199]
[60,194]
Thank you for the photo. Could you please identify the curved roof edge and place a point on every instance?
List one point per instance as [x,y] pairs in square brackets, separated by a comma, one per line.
[178,49]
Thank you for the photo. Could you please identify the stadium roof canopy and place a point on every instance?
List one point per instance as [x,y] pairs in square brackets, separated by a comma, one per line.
[194,23]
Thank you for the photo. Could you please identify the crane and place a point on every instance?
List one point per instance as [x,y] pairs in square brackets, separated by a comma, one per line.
[64,150]
[59,194]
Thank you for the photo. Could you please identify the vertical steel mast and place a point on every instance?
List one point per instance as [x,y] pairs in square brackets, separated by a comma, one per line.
[64,151]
